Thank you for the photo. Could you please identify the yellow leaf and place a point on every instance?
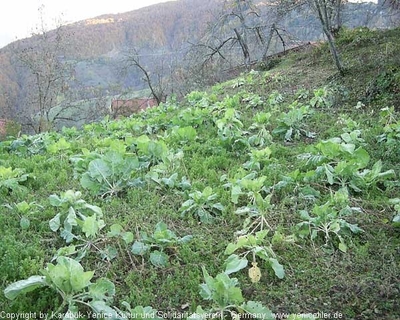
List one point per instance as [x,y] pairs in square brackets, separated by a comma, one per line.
[254,273]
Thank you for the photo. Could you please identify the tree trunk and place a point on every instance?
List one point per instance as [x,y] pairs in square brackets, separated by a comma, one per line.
[334,52]
[269,40]
[321,9]
[245,48]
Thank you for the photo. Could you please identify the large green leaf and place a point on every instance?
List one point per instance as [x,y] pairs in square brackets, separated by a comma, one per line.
[99,170]
[68,275]
[55,201]
[127,237]
[231,248]
[236,191]
[97,210]
[115,162]
[234,263]
[208,286]
[277,267]
[102,289]
[115,230]
[185,239]
[24,286]
[24,223]
[225,290]
[139,248]
[158,258]
[59,276]
[330,148]
[362,157]
[88,183]
[205,291]
[80,280]
[91,226]
[55,223]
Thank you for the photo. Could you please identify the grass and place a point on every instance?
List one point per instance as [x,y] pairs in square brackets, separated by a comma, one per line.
[361,283]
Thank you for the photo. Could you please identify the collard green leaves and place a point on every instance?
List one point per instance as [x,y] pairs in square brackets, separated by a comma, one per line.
[24,286]
[110,174]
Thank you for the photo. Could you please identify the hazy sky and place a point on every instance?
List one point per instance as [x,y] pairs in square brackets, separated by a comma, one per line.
[18,18]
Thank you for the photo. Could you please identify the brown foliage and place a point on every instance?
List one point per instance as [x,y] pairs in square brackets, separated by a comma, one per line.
[127,107]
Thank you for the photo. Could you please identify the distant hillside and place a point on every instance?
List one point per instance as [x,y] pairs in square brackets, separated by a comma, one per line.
[96,45]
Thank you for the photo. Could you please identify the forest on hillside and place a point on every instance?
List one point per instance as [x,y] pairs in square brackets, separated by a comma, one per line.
[163,50]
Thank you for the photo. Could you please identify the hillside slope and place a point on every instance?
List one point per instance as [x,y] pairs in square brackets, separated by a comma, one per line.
[278,186]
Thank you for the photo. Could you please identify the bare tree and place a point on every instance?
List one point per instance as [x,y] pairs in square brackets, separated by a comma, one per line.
[246,29]
[157,76]
[237,27]
[393,4]
[329,13]
[276,13]
[48,76]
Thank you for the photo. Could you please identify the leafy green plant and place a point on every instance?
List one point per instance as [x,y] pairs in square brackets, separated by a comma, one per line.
[103,244]
[396,217]
[200,99]
[391,131]
[110,174]
[116,230]
[387,116]
[343,164]
[253,245]
[302,94]
[275,98]
[76,216]
[202,204]
[252,100]
[31,145]
[24,210]
[250,186]
[74,286]
[258,131]
[183,134]
[238,82]
[256,215]
[227,299]
[60,145]
[161,241]
[150,151]
[258,158]
[230,130]
[165,174]
[329,220]
[261,137]
[12,179]
[191,117]
[262,118]
[292,124]
[322,98]
[169,183]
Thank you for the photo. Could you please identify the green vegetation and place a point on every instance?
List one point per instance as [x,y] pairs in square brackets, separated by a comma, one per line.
[286,179]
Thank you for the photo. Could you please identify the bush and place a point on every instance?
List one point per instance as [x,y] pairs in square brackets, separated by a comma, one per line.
[356,36]
[9,128]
